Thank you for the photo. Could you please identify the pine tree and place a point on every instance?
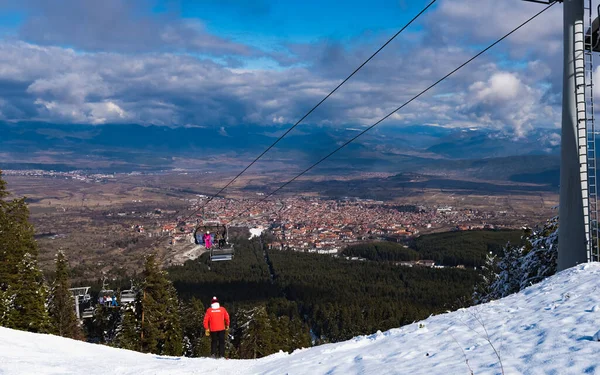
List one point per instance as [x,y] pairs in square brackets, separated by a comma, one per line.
[4,271]
[27,310]
[521,266]
[160,322]
[300,333]
[255,333]
[192,317]
[281,335]
[22,291]
[489,275]
[16,236]
[541,254]
[61,303]
[3,192]
[509,273]
[128,331]
[105,325]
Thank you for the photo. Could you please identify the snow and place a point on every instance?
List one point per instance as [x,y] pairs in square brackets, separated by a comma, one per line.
[549,328]
[256,232]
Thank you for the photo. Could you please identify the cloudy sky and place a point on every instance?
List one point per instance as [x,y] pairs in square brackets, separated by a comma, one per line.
[224,63]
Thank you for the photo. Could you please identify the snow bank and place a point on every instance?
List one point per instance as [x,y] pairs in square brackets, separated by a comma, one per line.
[256,232]
[545,329]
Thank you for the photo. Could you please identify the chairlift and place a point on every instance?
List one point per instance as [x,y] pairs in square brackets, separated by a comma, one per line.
[105,298]
[105,295]
[127,296]
[87,313]
[82,293]
[219,246]
[81,296]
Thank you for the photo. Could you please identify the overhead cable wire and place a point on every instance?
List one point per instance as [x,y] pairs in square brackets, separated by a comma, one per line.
[304,117]
[396,110]
[316,106]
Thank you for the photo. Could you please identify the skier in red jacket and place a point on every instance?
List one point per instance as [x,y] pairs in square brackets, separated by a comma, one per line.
[216,322]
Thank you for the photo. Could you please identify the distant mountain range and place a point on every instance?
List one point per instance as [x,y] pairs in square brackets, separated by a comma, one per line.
[479,153]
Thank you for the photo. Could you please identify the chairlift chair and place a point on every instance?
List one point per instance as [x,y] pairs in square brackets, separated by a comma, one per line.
[81,292]
[108,293]
[87,313]
[127,296]
[222,251]
[82,296]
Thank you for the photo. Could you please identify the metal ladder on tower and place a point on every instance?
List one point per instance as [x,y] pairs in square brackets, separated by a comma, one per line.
[586,132]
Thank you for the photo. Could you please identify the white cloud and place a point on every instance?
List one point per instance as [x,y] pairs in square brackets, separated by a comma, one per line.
[483,21]
[278,120]
[73,87]
[223,131]
[107,111]
[515,85]
[505,100]
[502,86]
[92,113]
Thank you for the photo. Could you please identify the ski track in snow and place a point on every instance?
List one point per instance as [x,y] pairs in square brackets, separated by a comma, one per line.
[545,329]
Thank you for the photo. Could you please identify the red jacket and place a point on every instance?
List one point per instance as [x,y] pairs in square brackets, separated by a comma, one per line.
[216,318]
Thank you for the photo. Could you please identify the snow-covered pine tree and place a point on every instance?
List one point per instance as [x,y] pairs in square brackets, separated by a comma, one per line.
[489,275]
[521,266]
[509,276]
[27,309]
[22,290]
[5,269]
[540,254]
[61,302]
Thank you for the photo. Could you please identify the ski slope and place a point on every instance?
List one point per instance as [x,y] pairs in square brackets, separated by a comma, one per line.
[546,329]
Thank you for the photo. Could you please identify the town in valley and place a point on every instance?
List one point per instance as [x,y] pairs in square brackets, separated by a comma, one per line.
[107,221]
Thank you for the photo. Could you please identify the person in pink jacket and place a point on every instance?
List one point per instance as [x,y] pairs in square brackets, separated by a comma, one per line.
[207,240]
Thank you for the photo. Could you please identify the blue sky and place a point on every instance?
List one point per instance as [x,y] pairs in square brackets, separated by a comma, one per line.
[261,23]
[228,62]
[295,21]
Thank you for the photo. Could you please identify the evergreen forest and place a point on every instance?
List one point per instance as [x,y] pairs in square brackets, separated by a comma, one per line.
[468,248]
[333,298]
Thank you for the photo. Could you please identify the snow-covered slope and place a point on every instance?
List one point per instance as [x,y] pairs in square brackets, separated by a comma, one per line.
[546,329]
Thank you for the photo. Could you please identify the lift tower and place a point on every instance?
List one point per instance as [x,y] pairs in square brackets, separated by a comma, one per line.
[572,236]
[578,208]
[584,97]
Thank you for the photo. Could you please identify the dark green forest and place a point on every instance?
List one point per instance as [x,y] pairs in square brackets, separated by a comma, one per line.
[381,252]
[336,298]
[468,248]
[344,298]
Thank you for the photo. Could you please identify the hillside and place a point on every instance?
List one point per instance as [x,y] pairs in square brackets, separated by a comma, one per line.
[545,329]
[493,155]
